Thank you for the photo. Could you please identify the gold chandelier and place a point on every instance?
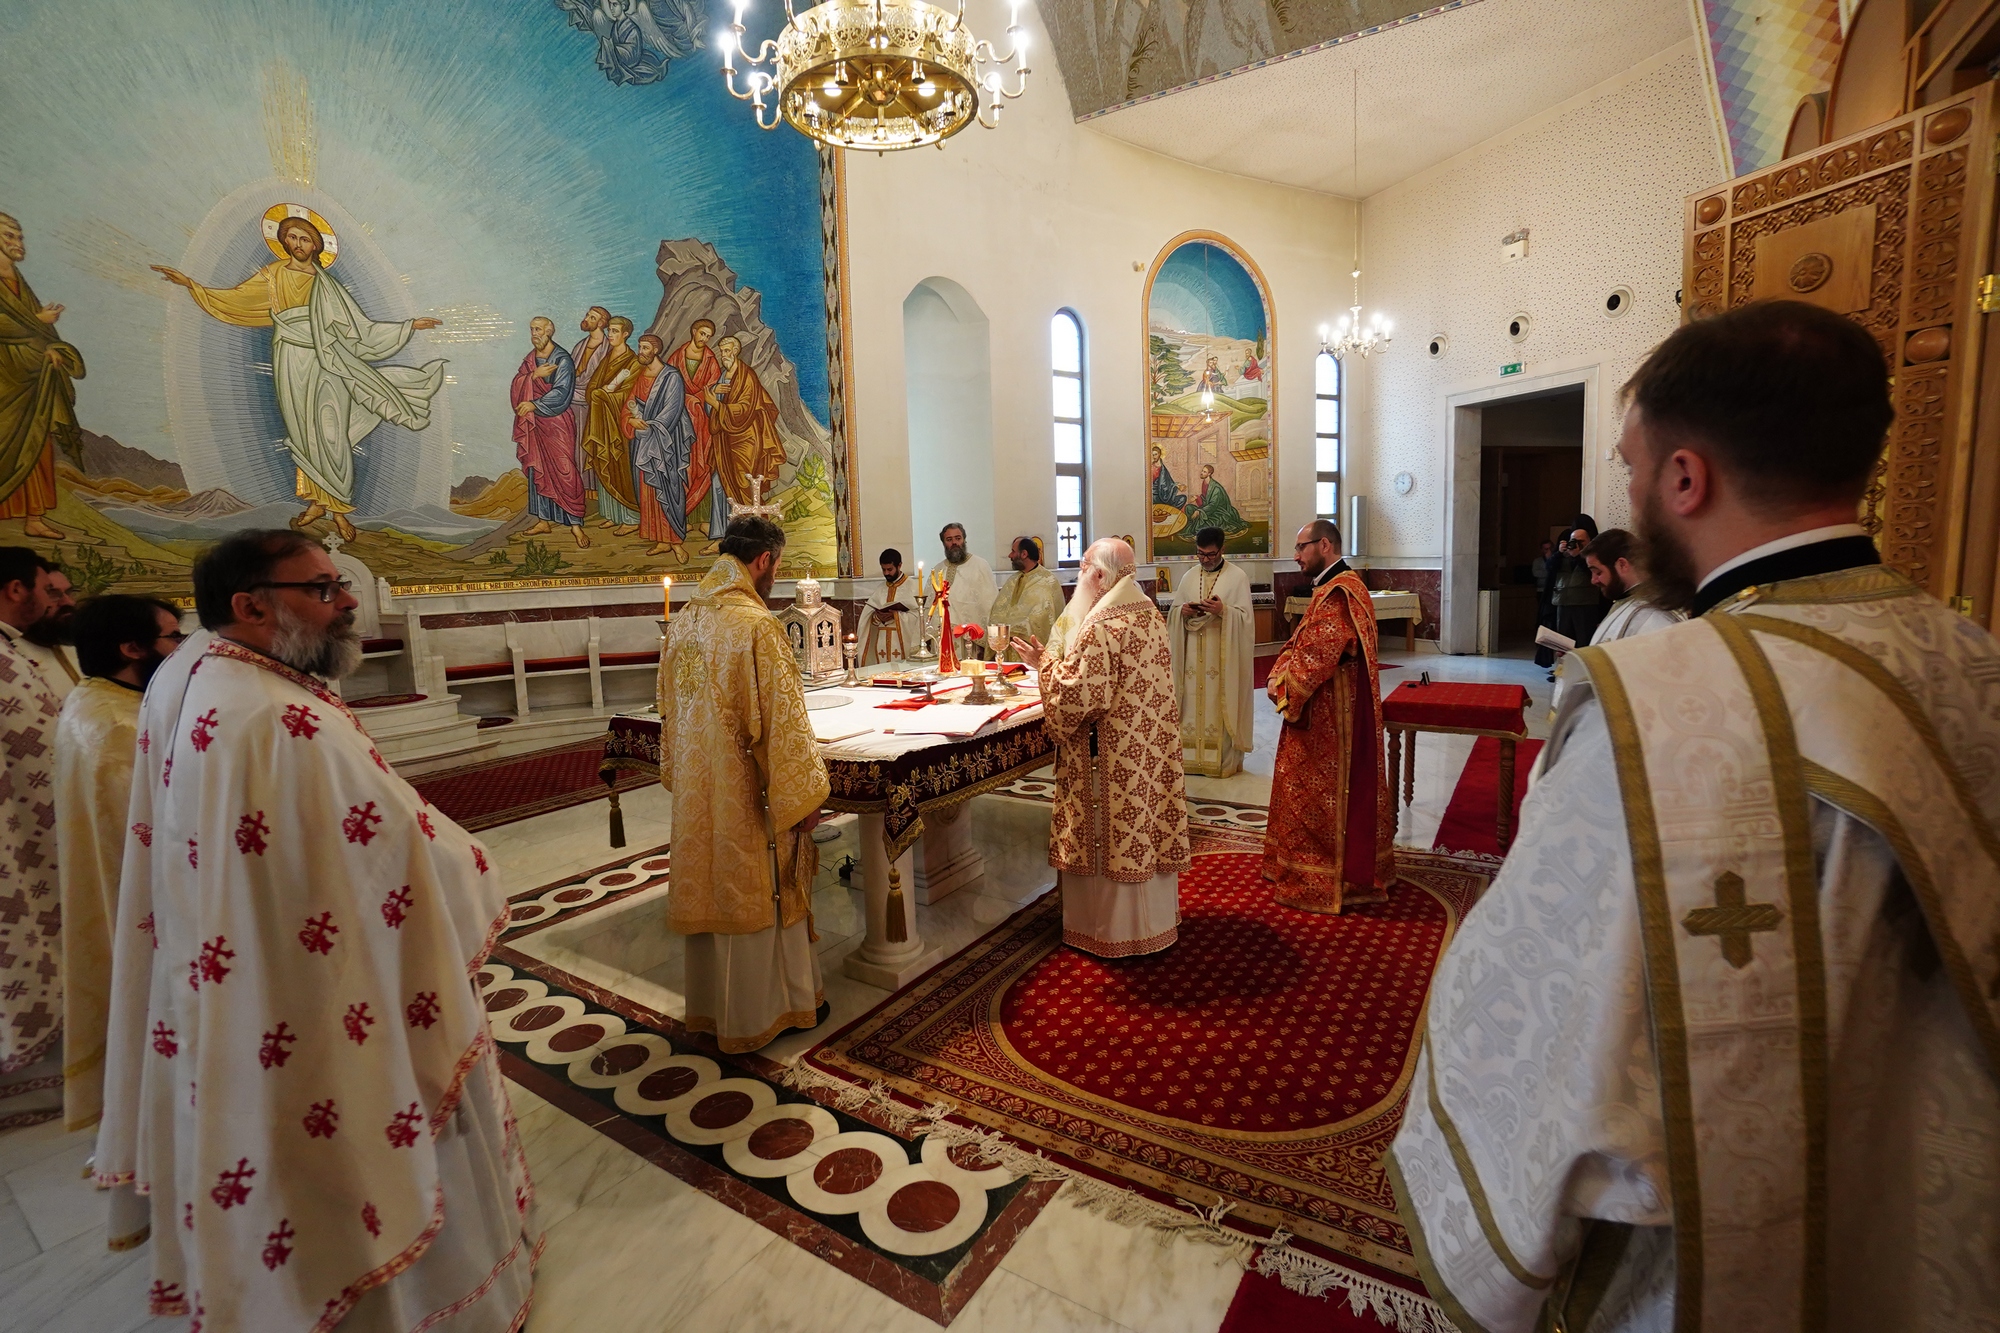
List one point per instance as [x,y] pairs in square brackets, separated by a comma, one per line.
[877,74]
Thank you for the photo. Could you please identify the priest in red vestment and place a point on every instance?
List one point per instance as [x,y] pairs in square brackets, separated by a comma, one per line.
[1329,843]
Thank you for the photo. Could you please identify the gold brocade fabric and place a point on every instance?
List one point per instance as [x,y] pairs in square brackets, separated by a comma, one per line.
[97,740]
[1028,605]
[1121,813]
[733,727]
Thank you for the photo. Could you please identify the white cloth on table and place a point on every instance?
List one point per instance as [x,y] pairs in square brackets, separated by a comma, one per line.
[1117,920]
[746,989]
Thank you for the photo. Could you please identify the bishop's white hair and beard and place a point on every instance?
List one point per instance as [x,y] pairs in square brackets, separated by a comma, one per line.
[1109,568]
[331,653]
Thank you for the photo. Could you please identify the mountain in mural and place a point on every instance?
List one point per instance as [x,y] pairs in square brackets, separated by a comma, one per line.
[469,488]
[106,457]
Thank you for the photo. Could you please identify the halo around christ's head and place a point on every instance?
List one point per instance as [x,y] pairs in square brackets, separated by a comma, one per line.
[275,216]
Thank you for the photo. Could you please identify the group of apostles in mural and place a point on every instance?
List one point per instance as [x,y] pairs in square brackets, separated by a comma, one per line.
[655,442]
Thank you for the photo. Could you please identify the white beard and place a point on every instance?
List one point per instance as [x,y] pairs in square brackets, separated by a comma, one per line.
[333,653]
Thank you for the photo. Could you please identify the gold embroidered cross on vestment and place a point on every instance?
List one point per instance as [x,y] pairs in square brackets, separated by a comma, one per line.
[1732,919]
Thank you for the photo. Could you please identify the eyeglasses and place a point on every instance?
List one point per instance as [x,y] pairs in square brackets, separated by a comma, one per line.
[325,588]
[172,636]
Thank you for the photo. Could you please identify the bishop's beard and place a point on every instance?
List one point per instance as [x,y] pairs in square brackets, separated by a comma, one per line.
[332,652]
[1670,574]
[957,557]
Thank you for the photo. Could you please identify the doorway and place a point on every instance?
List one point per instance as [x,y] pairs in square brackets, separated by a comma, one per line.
[1530,475]
[948,371]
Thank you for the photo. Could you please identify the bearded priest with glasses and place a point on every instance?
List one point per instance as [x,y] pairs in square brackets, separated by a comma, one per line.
[299,1075]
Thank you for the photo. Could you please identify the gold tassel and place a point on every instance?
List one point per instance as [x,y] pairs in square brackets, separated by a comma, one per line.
[897,928]
[617,820]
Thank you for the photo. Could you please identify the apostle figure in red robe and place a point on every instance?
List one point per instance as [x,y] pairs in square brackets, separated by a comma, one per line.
[698,367]
[545,433]
[1330,840]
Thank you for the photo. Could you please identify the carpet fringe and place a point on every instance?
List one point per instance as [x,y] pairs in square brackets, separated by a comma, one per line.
[1296,1270]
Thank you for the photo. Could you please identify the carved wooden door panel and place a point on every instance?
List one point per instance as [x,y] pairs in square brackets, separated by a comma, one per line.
[1892,228]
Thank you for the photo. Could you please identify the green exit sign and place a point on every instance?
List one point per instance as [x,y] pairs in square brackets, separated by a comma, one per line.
[1511,368]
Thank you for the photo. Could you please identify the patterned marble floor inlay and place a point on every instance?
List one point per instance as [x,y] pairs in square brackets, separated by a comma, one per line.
[920,1222]
[1202,810]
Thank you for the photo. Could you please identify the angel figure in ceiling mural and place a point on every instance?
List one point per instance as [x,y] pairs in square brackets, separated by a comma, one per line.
[325,356]
[637,39]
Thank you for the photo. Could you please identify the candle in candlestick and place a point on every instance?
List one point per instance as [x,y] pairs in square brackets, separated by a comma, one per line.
[666,596]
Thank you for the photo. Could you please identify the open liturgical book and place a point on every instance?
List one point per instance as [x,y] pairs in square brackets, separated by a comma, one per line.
[1548,638]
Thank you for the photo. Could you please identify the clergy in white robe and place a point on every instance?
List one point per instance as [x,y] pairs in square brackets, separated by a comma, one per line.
[1030,602]
[1609,557]
[31,1061]
[121,641]
[888,634]
[1119,836]
[1213,636]
[737,751]
[970,579]
[1720,1046]
[299,1075]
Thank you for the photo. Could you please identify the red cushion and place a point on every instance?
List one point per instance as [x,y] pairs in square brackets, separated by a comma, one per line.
[628,659]
[555,664]
[1450,703]
[483,671]
[381,645]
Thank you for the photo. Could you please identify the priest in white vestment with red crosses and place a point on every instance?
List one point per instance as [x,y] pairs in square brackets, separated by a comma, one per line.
[1119,835]
[299,1074]
[1720,1046]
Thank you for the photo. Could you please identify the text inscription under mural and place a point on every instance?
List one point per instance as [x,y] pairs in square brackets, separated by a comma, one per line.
[524,299]
[1209,399]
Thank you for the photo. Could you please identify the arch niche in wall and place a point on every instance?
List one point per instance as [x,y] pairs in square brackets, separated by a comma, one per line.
[948,376]
[1211,462]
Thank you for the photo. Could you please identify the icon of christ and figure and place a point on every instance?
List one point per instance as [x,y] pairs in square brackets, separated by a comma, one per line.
[325,359]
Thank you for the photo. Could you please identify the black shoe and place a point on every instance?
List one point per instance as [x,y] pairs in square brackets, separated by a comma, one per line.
[821,1014]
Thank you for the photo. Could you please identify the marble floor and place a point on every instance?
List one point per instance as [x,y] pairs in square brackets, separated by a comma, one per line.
[631,1247]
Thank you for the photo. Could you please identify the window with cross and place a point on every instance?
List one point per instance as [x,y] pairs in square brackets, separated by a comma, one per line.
[1071,446]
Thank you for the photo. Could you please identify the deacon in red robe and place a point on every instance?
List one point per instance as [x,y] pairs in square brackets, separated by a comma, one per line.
[1329,843]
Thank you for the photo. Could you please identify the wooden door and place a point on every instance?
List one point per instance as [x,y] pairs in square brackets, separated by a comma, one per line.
[1893,228]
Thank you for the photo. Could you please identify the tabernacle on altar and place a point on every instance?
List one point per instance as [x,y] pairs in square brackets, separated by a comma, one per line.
[1035,665]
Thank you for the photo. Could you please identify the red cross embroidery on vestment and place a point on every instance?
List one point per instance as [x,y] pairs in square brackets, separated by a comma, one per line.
[395,908]
[479,858]
[167,772]
[250,831]
[202,734]
[146,924]
[273,1052]
[402,1129]
[163,1041]
[360,824]
[275,1249]
[318,934]
[144,833]
[164,1294]
[230,1188]
[145,742]
[371,1219]
[322,1120]
[300,721]
[187,1216]
[422,1011]
[212,954]
[194,854]
[424,823]
[357,1022]
[194,1324]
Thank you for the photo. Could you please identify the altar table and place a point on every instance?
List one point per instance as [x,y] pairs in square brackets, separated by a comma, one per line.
[1461,709]
[905,789]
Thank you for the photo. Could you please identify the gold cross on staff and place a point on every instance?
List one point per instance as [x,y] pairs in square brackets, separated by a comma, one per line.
[1732,919]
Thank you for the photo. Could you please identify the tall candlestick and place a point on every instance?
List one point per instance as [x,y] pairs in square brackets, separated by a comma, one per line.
[666,596]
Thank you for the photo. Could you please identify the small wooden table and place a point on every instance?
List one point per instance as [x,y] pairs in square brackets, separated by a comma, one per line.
[1459,709]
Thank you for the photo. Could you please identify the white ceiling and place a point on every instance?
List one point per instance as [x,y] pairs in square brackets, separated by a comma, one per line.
[1429,90]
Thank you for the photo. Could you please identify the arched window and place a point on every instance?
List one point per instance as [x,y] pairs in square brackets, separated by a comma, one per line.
[1326,436]
[1072,471]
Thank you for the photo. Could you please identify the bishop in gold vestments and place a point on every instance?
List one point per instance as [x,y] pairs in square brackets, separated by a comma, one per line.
[1330,842]
[737,750]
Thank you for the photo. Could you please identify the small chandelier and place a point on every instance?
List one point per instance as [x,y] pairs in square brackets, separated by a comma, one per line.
[877,74]
[1350,335]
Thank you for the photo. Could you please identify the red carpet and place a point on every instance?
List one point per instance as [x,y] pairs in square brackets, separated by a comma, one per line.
[1470,820]
[1263,1305]
[1262,1060]
[500,791]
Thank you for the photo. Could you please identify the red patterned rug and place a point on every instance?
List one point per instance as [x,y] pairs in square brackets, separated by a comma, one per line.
[1261,1062]
[500,791]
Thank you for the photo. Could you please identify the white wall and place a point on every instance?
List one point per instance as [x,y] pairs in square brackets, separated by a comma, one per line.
[948,369]
[1042,213]
[1599,183]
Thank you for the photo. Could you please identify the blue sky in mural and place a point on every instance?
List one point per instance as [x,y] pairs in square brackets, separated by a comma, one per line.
[491,162]
[1203,289]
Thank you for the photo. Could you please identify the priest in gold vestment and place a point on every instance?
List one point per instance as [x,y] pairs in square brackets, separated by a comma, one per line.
[1330,842]
[120,643]
[737,751]
[1028,603]
[1119,838]
[1720,1045]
